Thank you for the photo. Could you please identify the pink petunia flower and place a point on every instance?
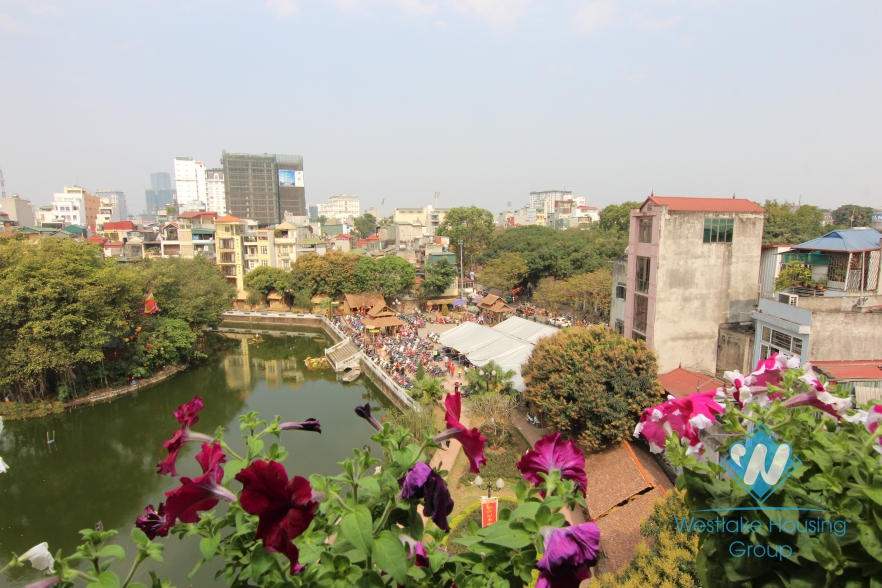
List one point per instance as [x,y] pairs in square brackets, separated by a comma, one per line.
[197,494]
[553,453]
[471,439]
[187,417]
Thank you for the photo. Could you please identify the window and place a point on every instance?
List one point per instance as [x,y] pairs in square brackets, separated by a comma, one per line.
[620,327]
[620,291]
[264,262]
[286,264]
[263,249]
[778,342]
[718,230]
[644,233]
[643,274]
[641,312]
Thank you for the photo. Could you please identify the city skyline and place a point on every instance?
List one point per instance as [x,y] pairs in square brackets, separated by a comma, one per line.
[483,101]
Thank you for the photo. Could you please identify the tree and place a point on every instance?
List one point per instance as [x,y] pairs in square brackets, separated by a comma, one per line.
[494,412]
[592,383]
[438,278]
[388,275]
[784,226]
[505,272]
[365,225]
[265,279]
[618,216]
[426,389]
[330,274]
[593,289]
[471,225]
[490,378]
[863,215]
[551,293]
[792,272]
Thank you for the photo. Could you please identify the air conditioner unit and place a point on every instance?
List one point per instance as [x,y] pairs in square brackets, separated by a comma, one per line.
[791,299]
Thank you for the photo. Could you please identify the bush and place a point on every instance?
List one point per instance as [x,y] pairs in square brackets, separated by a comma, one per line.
[501,463]
[459,526]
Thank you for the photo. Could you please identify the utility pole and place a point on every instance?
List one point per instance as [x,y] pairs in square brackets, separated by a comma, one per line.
[461,262]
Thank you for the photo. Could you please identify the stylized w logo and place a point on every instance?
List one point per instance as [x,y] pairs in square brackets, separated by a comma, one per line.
[760,463]
[757,463]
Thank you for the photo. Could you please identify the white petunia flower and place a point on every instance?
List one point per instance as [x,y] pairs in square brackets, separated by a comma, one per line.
[39,556]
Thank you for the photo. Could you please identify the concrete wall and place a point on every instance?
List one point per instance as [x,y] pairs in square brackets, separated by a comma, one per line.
[699,285]
[619,277]
[734,350]
[845,335]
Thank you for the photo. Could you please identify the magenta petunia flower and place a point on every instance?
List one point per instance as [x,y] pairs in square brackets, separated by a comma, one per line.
[471,439]
[284,507]
[569,554]
[307,425]
[201,493]
[684,416]
[365,413]
[553,453]
[187,417]
[422,482]
[874,417]
[153,522]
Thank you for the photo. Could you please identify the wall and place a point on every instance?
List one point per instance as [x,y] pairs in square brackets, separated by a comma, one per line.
[845,335]
[619,277]
[734,350]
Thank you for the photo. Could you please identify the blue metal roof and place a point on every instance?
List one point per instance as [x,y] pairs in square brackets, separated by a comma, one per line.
[844,240]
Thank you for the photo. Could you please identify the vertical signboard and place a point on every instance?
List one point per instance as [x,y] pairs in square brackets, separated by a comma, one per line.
[489,511]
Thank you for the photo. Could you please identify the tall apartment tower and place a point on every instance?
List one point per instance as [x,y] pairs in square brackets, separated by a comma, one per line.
[693,265]
[215,191]
[190,184]
[160,194]
[263,187]
[160,181]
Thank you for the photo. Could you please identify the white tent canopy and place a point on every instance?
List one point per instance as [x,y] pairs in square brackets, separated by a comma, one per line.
[510,350]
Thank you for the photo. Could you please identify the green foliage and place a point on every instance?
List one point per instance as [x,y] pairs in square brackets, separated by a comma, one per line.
[166,341]
[783,226]
[670,560]
[365,225]
[489,378]
[592,383]
[863,215]
[586,291]
[438,278]
[494,411]
[330,274]
[253,299]
[617,217]
[426,388]
[459,525]
[501,461]
[559,254]
[840,477]
[505,272]
[792,272]
[264,279]
[472,225]
[390,275]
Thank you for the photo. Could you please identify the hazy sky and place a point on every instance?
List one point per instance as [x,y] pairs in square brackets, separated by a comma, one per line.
[481,100]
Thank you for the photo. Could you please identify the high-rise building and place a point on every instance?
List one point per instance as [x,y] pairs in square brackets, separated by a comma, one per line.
[117,199]
[190,183]
[263,187]
[160,181]
[214,189]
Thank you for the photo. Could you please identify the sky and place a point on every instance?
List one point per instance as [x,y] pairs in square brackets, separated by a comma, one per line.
[483,101]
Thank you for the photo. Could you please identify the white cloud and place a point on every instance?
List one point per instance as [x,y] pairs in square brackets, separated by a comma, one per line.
[658,25]
[345,5]
[595,15]
[283,8]
[10,24]
[440,24]
[499,13]
[417,7]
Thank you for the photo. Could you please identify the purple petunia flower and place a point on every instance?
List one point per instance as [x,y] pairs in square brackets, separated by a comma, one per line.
[45,583]
[471,439]
[553,453]
[201,493]
[365,413]
[307,425]
[187,417]
[569,554]
[422,482]
[153,522]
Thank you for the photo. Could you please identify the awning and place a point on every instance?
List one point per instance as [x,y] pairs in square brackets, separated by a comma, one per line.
[460,302]
[440,301]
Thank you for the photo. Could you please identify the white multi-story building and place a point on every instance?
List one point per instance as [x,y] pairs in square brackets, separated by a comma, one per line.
[106,213]
[117,200]
[190,184]
[214,189]
[340,206]
[69,207]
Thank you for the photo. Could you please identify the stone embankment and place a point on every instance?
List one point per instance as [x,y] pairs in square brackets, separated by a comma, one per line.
[103,395]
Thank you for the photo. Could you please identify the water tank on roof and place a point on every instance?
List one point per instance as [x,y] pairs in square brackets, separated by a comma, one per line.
[877,220]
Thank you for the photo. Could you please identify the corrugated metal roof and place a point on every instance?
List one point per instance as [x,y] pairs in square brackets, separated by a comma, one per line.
[844,240]
[845,370]
[705,204]
[681,382]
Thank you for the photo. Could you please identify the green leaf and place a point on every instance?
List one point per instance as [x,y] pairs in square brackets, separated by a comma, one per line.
[508,537]
[105,580]
[526,511]
[137,585]
[389,555]
[208,547]
[870,540]
[873,493]
[261,562]
[357,528]
[113,551]
[232,468]
[370,484]
[140,538]
[370,580]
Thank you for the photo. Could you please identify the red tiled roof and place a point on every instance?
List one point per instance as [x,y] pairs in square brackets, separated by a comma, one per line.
[113,244]
[681,383]
[120,226]
[228,218]
[705,204]
[197,214]
[373,238]
[96,239]
[856,369]
[341,236]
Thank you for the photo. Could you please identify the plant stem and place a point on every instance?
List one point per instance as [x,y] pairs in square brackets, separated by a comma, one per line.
[230,451]
[138,559]
[384,517]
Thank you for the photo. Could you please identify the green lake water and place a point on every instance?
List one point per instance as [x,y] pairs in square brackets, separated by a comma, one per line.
[102,464]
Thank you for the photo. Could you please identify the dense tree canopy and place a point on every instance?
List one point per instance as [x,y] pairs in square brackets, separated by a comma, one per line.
[559,254]
[330,274]
[390,275]
[784,226]
[472,225]
[365,225]
[591,291]
[264,279]
[505,272]
[617,217]
[438,278]
[592,383]
[863,215]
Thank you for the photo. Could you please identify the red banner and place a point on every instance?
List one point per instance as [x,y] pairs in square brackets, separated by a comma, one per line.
[489,511]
